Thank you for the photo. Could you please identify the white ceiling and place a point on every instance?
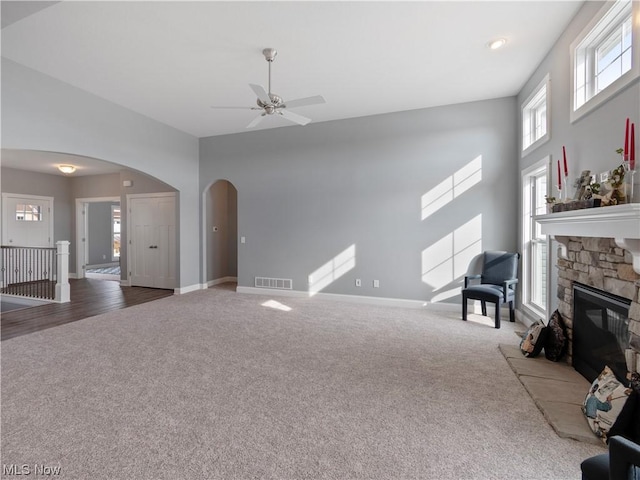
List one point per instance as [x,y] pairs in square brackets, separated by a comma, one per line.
[171,61]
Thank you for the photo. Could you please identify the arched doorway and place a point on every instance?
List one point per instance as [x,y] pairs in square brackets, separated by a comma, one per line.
[221,233]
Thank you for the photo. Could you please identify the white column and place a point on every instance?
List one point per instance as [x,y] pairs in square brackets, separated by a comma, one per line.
[63,294]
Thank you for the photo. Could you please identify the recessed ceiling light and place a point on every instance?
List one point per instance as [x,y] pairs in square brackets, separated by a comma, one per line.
[66,169]
[496,44]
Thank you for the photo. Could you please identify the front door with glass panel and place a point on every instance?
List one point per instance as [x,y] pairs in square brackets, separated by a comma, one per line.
[27,220]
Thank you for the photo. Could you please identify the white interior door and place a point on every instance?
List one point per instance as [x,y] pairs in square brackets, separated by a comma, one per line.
[27,220]
[152,248]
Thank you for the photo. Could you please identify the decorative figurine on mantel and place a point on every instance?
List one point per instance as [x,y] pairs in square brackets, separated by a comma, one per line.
[583,192]
[616,192]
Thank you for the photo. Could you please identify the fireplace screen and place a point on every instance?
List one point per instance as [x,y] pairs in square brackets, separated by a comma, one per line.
[600,331]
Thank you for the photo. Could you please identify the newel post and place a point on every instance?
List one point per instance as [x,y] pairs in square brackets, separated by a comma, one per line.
[63,294]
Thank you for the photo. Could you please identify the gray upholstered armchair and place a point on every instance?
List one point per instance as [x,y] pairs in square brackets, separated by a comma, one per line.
[621,463]
[497,284]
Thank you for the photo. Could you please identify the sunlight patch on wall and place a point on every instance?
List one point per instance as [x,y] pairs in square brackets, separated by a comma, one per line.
[452,187]
[448,259]
[276,305]
[332,270]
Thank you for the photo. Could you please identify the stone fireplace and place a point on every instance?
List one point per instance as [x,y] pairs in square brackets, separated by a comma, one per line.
[600,249]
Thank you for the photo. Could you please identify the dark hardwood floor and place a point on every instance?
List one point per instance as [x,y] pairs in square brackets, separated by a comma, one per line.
[89,297]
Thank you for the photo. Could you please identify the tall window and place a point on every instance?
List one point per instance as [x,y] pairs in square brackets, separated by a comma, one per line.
[534,244]
[605,56]
[535,118]
[115,232]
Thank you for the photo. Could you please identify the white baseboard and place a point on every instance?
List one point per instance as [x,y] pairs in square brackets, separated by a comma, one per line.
[125,283]
[218,281]
[381,301]
[73,275]
[189,288]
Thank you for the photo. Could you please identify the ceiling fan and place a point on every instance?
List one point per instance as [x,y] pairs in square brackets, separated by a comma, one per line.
[272,104]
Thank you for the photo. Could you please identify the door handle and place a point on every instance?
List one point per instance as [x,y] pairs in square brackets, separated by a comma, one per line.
[153,246]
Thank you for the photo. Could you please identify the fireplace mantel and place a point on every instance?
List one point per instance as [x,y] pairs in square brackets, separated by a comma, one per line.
[620,222]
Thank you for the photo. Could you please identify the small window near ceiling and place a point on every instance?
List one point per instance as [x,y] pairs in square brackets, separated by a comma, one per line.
[28,213]
[605,56]
[535,117]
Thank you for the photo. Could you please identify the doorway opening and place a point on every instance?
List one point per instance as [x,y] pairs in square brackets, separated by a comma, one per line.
[98,236]
[220,252]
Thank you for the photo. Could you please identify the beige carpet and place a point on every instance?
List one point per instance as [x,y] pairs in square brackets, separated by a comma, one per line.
[215,385]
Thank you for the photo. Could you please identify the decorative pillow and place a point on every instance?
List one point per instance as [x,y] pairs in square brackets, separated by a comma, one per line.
[533,339]
[628,422]
[604,402]
[556,343]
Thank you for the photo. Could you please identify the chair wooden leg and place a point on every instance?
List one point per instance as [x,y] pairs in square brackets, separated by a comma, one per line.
[484,307]
[512,313]
[464,308]
[497,314]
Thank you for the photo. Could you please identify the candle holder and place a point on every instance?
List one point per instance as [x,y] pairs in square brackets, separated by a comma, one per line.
[629,178]
[565,190]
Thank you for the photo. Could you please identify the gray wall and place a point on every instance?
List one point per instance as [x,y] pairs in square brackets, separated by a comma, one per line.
[348,195]
[99,232]
[41,113]
[592,140]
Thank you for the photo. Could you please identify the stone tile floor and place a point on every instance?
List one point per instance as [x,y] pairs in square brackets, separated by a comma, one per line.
[557,390]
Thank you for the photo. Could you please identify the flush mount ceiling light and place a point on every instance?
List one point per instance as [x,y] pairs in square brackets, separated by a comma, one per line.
[66,169]
[496,44]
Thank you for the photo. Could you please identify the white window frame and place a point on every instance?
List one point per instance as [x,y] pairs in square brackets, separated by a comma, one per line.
[529,113]
[603,23]
[115,258]
[529,308]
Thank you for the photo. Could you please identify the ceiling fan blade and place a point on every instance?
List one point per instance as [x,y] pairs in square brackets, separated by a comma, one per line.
[256,121]
[294,117]
[260,92]
[236,108]
[303,102]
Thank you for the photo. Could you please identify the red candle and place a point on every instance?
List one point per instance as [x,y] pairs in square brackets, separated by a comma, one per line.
[626,140]
[564,155]
[559,177]
[632,148]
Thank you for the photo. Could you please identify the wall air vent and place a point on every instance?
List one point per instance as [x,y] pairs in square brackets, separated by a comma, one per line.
[281,283]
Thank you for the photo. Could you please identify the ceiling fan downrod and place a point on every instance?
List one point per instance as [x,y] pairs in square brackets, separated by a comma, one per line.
[270,55]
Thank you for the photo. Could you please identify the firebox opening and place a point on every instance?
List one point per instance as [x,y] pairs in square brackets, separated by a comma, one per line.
[600,331]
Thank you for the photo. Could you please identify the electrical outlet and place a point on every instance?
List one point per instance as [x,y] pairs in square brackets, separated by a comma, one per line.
[376,284]
[358,282]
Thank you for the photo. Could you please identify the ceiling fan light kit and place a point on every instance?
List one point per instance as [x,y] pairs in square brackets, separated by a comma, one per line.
[272,104]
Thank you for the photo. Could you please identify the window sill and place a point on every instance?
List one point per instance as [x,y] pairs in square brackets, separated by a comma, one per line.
[537,144]
[628,79]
